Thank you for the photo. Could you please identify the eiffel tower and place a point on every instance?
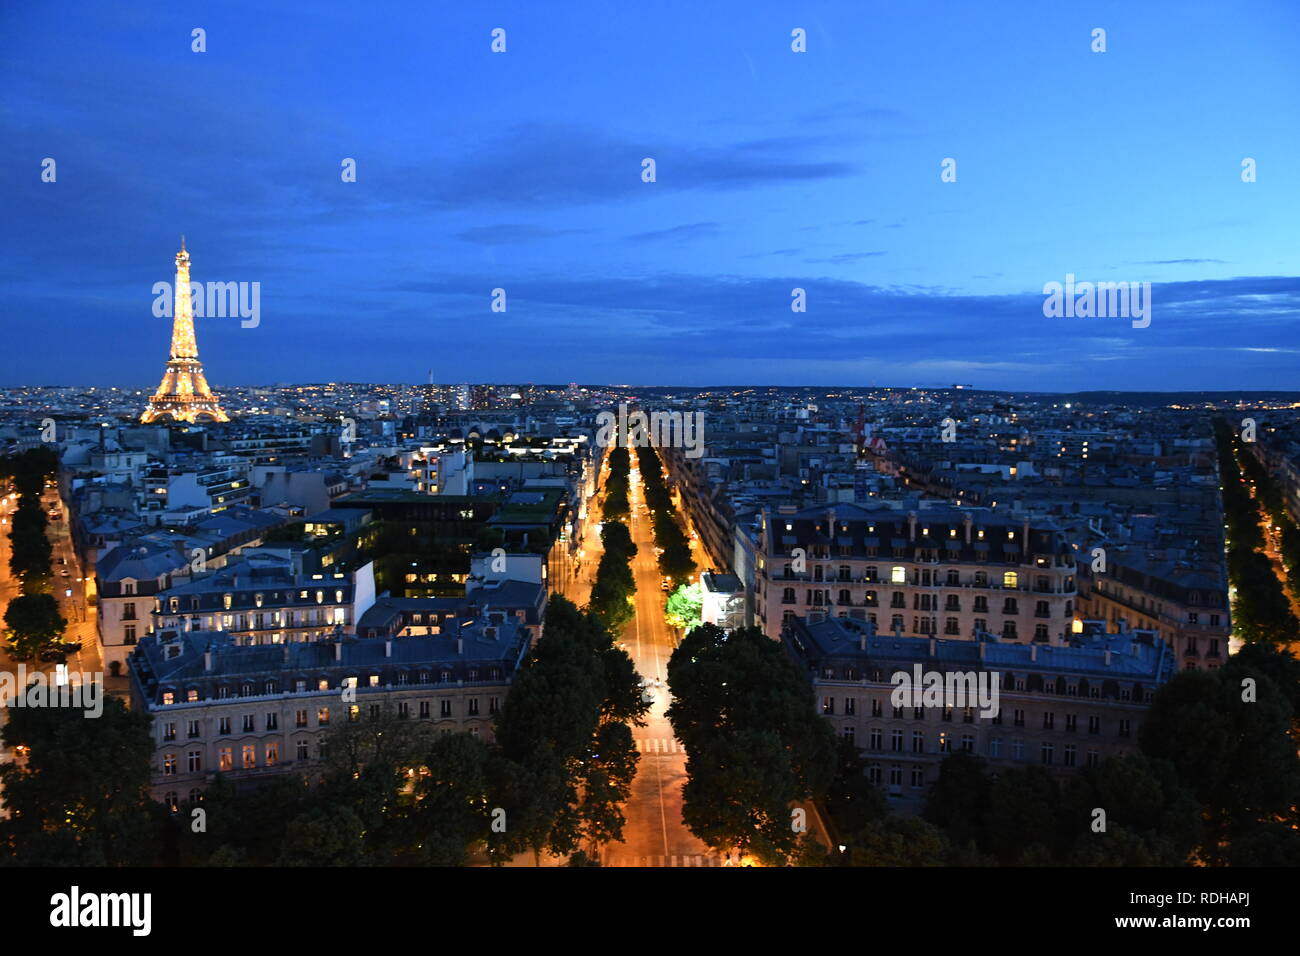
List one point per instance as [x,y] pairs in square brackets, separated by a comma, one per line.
[184,395]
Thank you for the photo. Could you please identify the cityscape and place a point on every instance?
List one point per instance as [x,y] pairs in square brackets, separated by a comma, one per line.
[550,519]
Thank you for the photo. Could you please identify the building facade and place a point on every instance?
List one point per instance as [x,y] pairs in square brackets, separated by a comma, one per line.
[944,572]
[1062,707]
[249,712]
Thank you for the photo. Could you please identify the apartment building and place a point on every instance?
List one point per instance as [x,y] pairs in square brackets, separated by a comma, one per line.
[1060,706]
[249,712]
[939,571]
[265,599]
[1184,602]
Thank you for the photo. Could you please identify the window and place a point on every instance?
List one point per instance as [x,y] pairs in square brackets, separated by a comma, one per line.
[918,741]
[1049,720]
[995,747]
[1093,758]
[272,721]
[896,741]
[1094,725]
[445,708]
[897,575]
[302,750]
[194,761]
[272,753]
[828,705]
[918,778]
[1017,749]
[323,717]
[849,733]
[192,729]
[403,709]
[250,756]
[169,732]
[224,759]
[945,743]
[968,743]
[850,706]
[424,709]
[473,707]
[875,738]
[1010,579]
[876,708]
[1124,728]
[171,800]
[1048,752]
[1069,755]
[169,765]
[248,723]
[354,714]
[300,718]
[1071,723]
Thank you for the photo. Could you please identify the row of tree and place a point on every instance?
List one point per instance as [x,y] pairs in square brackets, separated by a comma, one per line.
[616,506]
[675,559]
[612,592]
[1271,496]
[387,791]
[1261,610]
[32,619]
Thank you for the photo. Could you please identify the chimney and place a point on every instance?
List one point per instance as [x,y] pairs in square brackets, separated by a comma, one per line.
[983,644]
[460,645]
[338,650]
[862,642]
[1025,541]
[934,647]
[830,522]
[388,647]
[1108,657]
[967,522]
[1033,652]
[911,525]
[208,660]
[286,652]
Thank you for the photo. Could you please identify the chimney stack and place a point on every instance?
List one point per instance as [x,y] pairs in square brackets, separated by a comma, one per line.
[208,659]
[1108,657]
[967,522]
[388,647]
[460,645]
[1033,652]
[338,649]
[911,525]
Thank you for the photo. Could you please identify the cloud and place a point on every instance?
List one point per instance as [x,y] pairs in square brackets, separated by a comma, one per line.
[691,230]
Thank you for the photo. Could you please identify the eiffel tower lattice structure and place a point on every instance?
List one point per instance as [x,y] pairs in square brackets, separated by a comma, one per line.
[183,395]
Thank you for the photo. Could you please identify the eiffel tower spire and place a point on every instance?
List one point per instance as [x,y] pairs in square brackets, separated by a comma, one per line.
[183,395]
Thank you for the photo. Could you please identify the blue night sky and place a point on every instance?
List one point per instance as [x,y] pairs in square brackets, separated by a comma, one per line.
[776,170]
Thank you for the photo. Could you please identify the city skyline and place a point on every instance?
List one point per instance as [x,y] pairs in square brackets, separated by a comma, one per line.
[776,170]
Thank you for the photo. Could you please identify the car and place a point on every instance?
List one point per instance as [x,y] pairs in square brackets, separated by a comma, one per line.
[53,655]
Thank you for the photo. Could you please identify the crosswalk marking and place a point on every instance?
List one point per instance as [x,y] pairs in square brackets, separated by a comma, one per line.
[659,745]
[695,860]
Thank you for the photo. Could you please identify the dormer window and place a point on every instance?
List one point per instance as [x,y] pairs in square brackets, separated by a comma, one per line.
[257,599]
[225,601]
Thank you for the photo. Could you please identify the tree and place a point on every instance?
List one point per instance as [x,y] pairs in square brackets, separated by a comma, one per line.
[684,606]
[452,811]
[744,712]
[34,624]
[81,795]
[959,800]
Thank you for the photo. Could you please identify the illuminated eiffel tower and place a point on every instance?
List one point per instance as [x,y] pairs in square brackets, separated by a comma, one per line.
[184,395]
